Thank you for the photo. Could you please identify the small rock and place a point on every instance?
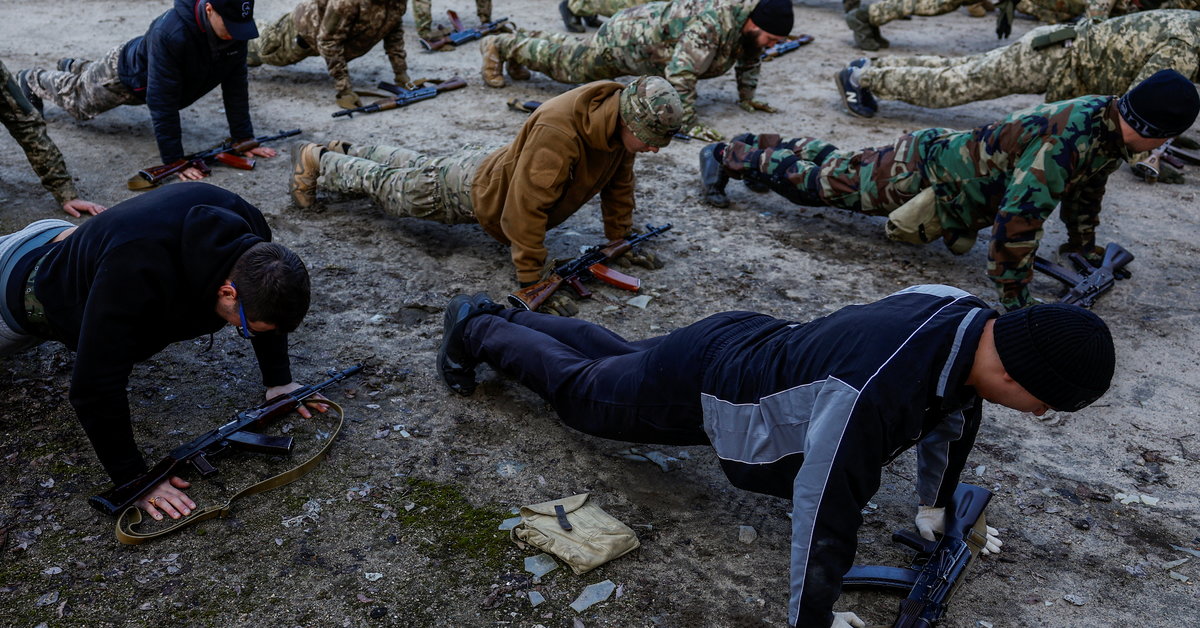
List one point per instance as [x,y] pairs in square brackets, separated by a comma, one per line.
[1074,599]
[747,534]
[536,598]
[509,468]
[1082,524]
[540,565]
[640,301]
[378,612]
[52,597]
[1188,550]
[983,624]
[1175,575]
[1149,501]
[593,594]
[980,471]
[51,571]
[509,523]
[1175,563]
[372,577]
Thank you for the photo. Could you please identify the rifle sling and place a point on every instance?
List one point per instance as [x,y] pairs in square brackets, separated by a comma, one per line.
[133,515]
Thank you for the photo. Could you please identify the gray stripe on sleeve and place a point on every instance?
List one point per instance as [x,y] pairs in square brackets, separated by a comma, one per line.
[954,349]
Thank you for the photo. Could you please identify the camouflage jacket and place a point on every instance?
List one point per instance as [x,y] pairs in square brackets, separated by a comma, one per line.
[1111,56]
[1011,174]
[1055,11]
[27,127]
[347,29]
[684,41]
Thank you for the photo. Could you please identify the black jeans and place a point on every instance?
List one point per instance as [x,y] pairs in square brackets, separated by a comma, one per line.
[601,384]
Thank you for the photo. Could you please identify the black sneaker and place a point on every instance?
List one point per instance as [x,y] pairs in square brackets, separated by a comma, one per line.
[712,176]
[23,83]
[858,101]
[570,20]
[454,364]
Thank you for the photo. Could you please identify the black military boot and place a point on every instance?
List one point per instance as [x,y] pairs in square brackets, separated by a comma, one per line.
[570,20]
[592,20]
[454,364]
[23,85]
[712,175]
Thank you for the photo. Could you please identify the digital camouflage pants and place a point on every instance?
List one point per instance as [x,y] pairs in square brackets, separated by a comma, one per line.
[278,44]
[407,183]
[563,58]
[886,11]
[933,81]
[28,128]
[89,89]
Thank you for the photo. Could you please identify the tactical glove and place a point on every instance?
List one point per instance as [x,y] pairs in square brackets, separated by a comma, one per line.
[1005,11]
[348,100]
[559,305]
[640,257]
[753,105]
[703,132]
[847,620]
[931,521]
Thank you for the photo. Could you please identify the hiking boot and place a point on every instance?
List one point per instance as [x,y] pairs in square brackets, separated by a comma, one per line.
[712,175]
[339,146]
[977,10]
[858,100]
[864,33]
[306,166]
[454,363]
[592,20]
[34,99]
[493,64]
[570,20]
[517,71]
[70,64]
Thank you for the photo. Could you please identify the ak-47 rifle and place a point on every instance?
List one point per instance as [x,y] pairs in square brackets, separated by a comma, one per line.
[227,152]
[784,47]
[462,35]
[939,566]
[421,90]
[590,264]
[240,432]
[529,106]
[1087,282]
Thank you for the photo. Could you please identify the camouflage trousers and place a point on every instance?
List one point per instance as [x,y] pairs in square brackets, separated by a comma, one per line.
[423,15]
[26,126]
[89,89]
[1053,11]
[278,44]
[563,58]
[813,172]
[407,183]
[933,81]
[601,7]
[886,11]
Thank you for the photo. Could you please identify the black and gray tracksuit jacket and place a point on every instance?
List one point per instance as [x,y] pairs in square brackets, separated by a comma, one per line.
[813,411]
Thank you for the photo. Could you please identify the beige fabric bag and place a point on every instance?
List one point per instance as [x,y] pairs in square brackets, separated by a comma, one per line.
[595,537]
[916,221]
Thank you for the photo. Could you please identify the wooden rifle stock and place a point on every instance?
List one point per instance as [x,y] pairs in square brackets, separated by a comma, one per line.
[533,297]
[228,153]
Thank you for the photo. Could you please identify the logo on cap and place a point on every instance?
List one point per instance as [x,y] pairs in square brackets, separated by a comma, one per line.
[247,9]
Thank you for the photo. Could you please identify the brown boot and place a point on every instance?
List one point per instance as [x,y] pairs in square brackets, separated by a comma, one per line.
[306,166]
[977,10]
[493,64]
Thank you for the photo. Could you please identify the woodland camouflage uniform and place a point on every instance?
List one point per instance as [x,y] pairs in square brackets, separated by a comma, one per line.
[1009,175]
[423,16]
[338,31]
[1055,11]
[683,41]
[1106,57]
[26,126]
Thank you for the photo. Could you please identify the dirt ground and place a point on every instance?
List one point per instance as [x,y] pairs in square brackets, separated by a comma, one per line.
[400,525]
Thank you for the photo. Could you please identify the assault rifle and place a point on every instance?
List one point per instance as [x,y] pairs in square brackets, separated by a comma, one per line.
[529,106]
[241,432]
[421,90]
[590,264]
[784,47]
[939,565]
[462,35]
[1087,282]
[227,152]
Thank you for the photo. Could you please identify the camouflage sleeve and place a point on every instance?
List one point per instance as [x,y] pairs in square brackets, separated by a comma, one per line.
[746,72]
[1099,8]
[393,46]
[1173,54]
[1080,210]
[694,52]
[331,41]
[28,128]
[1034,188]
[617,201]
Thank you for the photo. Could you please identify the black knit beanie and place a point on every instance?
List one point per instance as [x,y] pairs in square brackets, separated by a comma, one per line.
[1061,354]
[1163,105]
[774,16]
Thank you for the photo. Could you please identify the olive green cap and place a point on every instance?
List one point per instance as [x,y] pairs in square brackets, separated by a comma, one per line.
[651,108]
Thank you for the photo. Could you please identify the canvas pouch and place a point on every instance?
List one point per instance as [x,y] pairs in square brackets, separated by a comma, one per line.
[916,221]
[595,537]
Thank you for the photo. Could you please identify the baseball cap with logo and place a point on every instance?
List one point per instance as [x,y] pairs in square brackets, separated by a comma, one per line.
[651,108]
[238,16]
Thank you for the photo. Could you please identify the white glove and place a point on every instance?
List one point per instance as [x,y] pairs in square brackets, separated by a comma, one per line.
[930,519]
[993,543]
[847,620]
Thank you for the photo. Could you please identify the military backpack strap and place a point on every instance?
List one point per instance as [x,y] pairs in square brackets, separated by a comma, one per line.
[132,516]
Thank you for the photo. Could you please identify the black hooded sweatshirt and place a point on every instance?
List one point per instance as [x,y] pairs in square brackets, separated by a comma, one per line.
[136,278]
[175,63]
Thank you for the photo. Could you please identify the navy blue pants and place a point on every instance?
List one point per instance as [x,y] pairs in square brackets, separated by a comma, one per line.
[601,384]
